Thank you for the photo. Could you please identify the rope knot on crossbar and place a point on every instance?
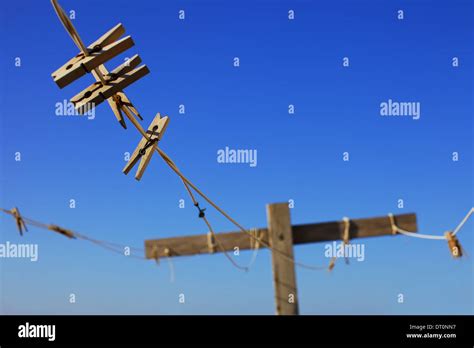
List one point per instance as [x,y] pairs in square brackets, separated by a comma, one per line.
[392,223]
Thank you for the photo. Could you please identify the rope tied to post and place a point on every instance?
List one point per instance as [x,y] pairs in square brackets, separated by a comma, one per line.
[392,223]
[453,243]
[345,241]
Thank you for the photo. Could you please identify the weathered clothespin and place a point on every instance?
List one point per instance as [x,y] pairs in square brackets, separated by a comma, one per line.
[62,231]
[454,246]
[99,92]
[119,102]
[332,263]
[105,48]
[90,60]
[146,147]
[20,223]
[211,243]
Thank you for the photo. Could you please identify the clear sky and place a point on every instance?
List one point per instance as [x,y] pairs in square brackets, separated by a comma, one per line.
[300,155]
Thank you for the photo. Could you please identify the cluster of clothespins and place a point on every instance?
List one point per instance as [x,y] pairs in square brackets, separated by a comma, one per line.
[109,85]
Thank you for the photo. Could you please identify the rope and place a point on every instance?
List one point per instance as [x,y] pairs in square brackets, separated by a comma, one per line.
[345,236]
[69,27]
[114,247]
[77,40]
[463,221]
[345,241]
[170,264]
[347,225]
[188,184]
[255,246]
[430,236]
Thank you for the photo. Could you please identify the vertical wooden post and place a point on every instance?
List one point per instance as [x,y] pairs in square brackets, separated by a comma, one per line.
[281,239]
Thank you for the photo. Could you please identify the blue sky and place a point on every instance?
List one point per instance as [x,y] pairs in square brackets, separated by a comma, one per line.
[282,62]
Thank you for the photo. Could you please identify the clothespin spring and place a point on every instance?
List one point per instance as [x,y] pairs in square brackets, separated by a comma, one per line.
[150,142]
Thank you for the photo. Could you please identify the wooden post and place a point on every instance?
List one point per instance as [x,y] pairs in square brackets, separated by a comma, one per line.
[284,277]
[281,235]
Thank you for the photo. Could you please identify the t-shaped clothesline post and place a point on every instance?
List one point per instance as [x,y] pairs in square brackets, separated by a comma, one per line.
[281,236]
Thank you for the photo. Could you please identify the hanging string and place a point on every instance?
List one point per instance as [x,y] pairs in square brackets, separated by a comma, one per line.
[71,30]
[187,182]
[113,247]
[255,246]
[77,40]
[429,236]
[345,241]
[345,236]
[170,264]
[188,185]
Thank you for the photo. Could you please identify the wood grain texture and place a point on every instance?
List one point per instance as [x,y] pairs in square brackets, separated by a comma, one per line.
[80,64]
[161,124]
[284,276]
[302,234]
[97,93]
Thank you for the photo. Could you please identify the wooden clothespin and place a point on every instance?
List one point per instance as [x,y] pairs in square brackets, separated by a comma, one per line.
[454,246]
[62,231]
[332,263]
[105,48]
[20,223]
[211,242]
[119,101]
[91,59]
[146,147]
[98,92]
